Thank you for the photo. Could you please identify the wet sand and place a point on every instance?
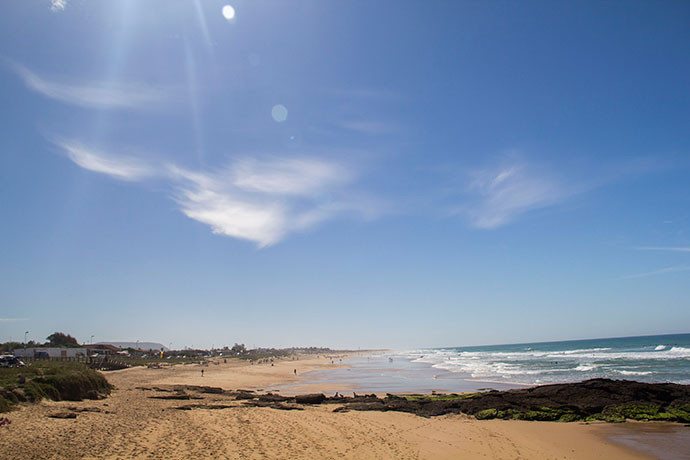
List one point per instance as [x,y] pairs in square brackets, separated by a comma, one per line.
[131,425]
[663,441]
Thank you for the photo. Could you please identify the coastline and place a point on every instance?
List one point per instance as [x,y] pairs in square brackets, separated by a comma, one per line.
[260,377]
[377,374]
[130,424]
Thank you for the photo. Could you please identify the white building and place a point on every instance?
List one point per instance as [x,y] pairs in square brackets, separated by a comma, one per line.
[45,352]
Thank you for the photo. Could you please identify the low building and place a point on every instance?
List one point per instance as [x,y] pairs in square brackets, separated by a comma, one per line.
[100,349]
[50,352]
[139,346]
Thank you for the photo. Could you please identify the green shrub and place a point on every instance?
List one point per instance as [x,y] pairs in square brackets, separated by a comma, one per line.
[77,385]
[56,381]
[5,405]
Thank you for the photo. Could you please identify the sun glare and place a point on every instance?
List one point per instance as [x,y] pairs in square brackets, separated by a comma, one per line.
[228,12]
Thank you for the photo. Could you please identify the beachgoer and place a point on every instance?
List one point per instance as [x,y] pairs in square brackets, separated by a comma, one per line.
[295,371]
[202,372]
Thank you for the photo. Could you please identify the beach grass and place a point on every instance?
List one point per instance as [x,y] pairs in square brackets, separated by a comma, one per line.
[54,380]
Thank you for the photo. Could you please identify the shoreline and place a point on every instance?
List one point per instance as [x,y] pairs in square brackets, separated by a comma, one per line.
[660,440]
[130,424]
[376,374]
[237,373]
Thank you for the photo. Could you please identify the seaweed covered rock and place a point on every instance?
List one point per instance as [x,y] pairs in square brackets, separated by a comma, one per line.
[603,399]
[596,399]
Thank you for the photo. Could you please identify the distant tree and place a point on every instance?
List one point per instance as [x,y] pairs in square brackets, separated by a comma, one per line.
[9,346]
[59,339]
[239,348]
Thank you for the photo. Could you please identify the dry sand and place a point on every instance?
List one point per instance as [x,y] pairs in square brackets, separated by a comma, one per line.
[131,425]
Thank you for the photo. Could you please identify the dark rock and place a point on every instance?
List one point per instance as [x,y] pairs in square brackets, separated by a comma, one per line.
[199,389]
[314,398]
[272,405]
[270,397]
[211,390]
[597,399]
[204,406]
[63,415]
[181,396]
[90,409]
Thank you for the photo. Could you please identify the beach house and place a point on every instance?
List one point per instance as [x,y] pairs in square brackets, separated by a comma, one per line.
[50,352]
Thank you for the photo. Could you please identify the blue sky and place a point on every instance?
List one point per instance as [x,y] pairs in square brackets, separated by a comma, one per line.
[345,174]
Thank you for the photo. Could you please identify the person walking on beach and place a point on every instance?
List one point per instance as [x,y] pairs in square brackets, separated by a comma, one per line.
[202,372]
[295,371]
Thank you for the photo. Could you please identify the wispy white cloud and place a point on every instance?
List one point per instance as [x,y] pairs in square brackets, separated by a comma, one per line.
[499,195]
[665,248]
[662,271]
[58,5]
[120,166]
[112,95]
[206,201]
[256,199]
[12,320]
[292,176]
[368,126]
[263,200]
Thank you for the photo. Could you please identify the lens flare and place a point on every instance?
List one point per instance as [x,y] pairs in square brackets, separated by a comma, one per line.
[279,113]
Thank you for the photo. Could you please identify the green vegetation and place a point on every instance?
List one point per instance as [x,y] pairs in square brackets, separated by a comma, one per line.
[52,380]
[56,339]
[488,414]
[264,353]
[239,351]
[60,339]
[7,347]
[647,412]
[156,359]
[614,414]
[541,414]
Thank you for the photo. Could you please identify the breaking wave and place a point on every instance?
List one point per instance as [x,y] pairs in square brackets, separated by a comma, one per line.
[550,363]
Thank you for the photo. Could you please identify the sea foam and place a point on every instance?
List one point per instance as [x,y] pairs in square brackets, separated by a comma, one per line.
[640,357]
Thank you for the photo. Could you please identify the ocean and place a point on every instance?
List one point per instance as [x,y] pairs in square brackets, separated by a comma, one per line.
[662,358]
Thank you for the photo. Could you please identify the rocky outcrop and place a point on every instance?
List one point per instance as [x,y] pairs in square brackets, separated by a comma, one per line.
[597,399]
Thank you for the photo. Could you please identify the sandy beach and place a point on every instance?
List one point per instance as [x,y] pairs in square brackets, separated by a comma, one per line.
[130,424]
